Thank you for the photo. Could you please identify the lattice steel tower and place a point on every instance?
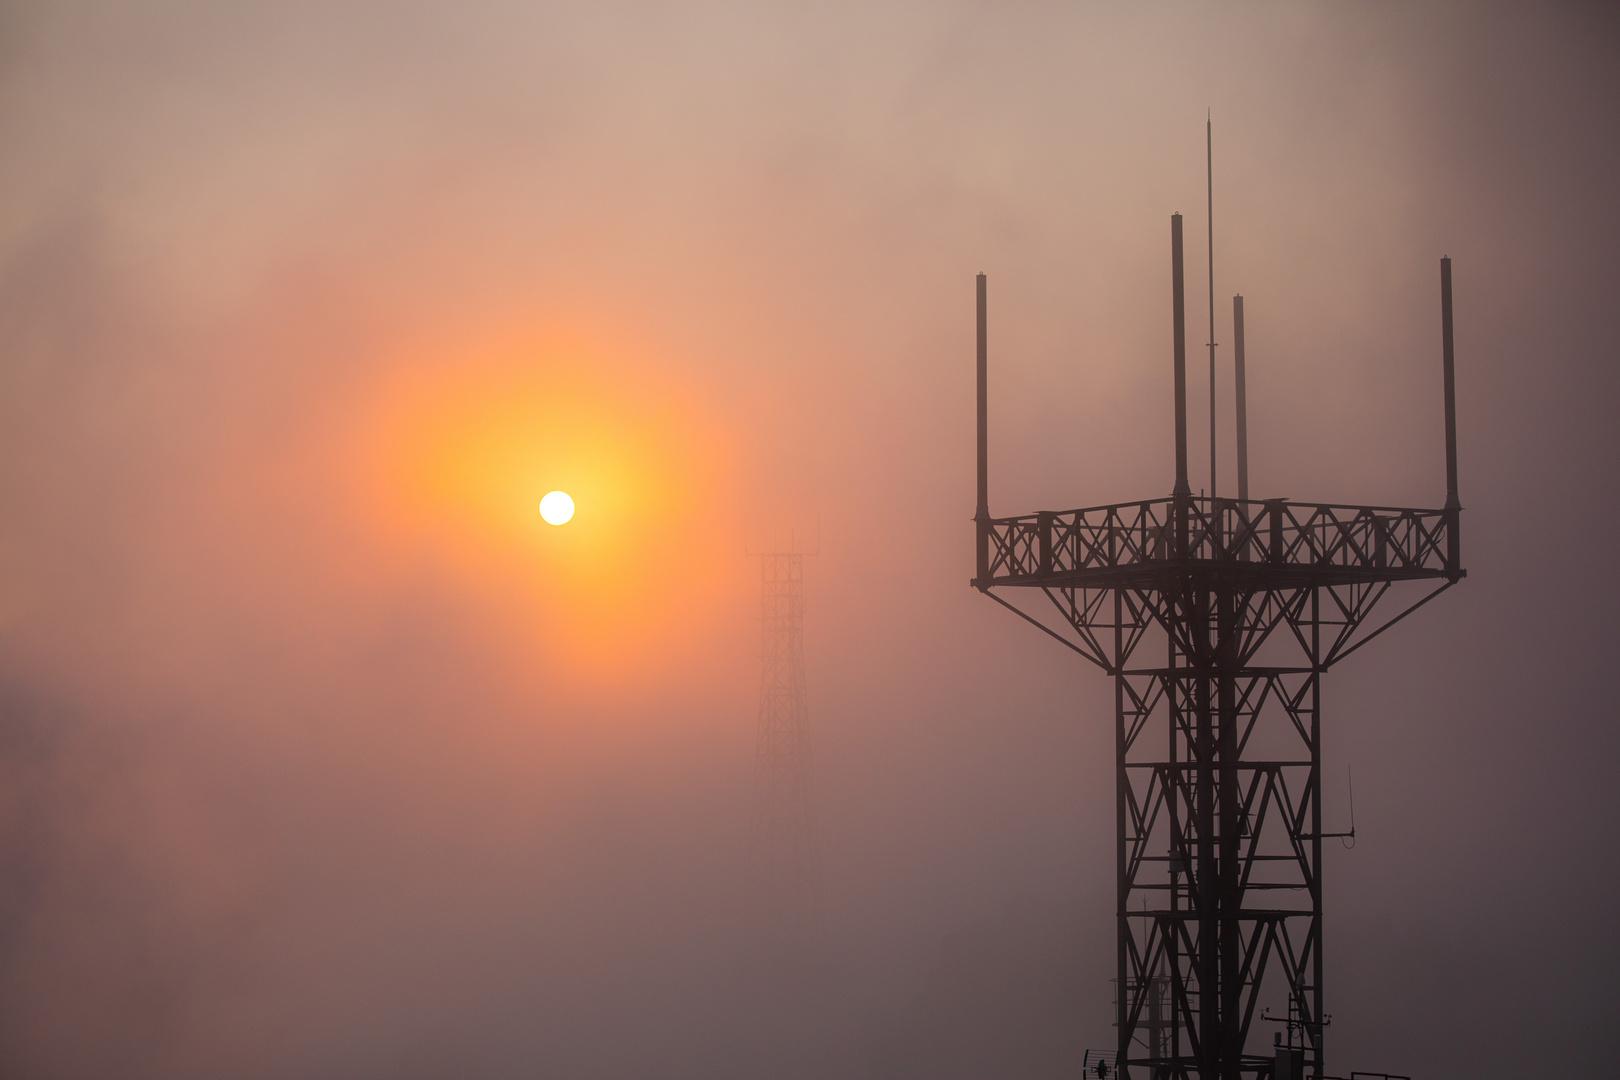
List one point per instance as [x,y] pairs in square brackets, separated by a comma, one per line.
[783,844]
[1216,619]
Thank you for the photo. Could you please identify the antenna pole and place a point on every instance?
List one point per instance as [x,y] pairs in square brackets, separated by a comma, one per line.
[1453,504]
[981,514]
[1242,399]
[1179,303]
[1209,163]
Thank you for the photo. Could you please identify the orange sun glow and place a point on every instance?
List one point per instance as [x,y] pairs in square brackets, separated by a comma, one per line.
[469,453]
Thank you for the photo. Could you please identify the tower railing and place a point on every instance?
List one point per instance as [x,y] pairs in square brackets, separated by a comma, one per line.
[1326,542]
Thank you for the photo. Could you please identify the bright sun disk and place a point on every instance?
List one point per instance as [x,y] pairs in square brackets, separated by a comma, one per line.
[557,507]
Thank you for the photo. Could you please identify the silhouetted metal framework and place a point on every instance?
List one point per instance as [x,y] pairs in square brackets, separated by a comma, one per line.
[1216,619]
[783,846]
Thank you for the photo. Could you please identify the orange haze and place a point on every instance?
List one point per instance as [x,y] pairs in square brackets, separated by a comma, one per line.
[460,454]
[323,756]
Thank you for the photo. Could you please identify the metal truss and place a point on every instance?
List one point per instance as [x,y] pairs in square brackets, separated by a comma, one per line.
[1244,605]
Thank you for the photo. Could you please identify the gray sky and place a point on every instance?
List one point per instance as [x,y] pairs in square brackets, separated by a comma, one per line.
[320,757]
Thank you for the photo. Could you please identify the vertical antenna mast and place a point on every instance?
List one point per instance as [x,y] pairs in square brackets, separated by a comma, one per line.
[1179,322]
[1209,163]
[1242,399]
[981,512]
[1448,359]
[1453,504]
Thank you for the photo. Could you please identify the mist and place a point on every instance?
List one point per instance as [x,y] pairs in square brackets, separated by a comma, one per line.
[321,756]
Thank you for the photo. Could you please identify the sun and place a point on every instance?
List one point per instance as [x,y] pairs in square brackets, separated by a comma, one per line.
[557,508]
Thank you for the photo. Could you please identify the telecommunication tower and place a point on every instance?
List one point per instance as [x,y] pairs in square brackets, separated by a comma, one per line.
[1216,619]
[783,844]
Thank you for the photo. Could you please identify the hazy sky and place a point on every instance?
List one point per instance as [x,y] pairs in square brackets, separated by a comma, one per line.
[321,756]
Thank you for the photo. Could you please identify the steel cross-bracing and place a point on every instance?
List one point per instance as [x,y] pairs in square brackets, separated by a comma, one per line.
[1216,619]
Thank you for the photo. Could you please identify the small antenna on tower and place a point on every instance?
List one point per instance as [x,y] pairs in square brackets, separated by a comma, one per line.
[1209,165]
[1242,399]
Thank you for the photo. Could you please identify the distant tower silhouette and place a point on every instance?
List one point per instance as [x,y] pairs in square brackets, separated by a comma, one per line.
[782,852]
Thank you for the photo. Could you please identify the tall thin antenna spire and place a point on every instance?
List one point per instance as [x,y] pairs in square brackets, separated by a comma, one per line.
[1209,163]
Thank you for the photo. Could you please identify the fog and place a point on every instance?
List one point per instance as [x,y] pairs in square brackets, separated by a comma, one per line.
[321,756]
